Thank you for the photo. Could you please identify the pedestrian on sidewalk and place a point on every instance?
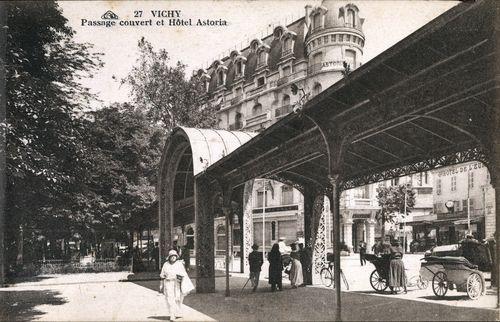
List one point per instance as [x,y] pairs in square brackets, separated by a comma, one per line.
[362,253]
[296,277]
[256,261]
[186,257]
[306,261]
[397,275]
[275,268]
[176,284]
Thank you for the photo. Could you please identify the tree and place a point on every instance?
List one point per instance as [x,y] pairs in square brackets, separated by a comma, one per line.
[164,92]
[392,202]
[126,151]
[44,150]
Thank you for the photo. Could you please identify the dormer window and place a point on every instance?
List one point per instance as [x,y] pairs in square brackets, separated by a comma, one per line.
[220,77]
[287,45]
[262,58]
[317,21]
[239,68]
[351,18]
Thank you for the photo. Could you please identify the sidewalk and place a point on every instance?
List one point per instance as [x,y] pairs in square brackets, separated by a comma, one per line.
[86,297]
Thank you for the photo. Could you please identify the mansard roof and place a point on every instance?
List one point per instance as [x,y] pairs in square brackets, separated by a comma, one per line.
[298,27]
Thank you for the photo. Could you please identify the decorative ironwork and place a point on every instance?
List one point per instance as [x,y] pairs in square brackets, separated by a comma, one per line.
[319,238]
[205,202]
[247,224]
[475,154]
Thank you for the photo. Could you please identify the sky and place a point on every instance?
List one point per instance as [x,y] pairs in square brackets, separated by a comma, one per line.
[386,23]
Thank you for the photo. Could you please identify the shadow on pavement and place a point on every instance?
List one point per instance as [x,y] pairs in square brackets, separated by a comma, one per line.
[162,318]
[316,304]
[446,297]
[27,279]
[20,305]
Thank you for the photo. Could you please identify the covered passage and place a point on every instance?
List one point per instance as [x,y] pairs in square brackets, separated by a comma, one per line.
[427,102]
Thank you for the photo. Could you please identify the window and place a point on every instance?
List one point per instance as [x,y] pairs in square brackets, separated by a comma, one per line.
[220,76]
[190,238]
[262,57]
[286,195]
[471,179]
[316,21]
[316,61]
[261,81]
[221,237]
[238,91]
[471,204]
[395,182]
[286,100]
[351,18]
[317,89]
[286,71]
[273,230]
[426,177]
[257,109]
[239,68]
[350,58]
[438,187]
[287,45]
[260,199]
[464,205]
[456,205]
[362,192]
[419,179]
[453,183]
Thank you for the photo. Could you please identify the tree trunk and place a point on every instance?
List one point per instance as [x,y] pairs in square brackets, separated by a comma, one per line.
[20,246]
[382,231]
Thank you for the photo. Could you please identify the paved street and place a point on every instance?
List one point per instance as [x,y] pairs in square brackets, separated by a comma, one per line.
[85,297]
[102,297]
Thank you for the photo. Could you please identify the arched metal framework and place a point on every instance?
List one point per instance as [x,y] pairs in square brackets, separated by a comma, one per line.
[429,101]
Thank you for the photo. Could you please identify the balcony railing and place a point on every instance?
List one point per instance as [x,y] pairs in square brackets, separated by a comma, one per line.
[235,126]
[257,119]
[282,80]
[283,110]
[286,53]
[236,99]
[314,68]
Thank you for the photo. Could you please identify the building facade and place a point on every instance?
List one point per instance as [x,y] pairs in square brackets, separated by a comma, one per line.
[463,194]
[252,90]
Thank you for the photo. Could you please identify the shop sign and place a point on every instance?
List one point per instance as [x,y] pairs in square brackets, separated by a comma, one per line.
[456,170]
[361,216]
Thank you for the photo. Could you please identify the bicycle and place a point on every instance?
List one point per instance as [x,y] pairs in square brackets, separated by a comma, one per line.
[326,275]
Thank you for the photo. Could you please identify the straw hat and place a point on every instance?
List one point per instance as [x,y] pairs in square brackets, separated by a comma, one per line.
[172,253]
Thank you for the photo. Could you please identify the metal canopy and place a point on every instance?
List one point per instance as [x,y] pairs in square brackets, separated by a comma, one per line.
[425,102]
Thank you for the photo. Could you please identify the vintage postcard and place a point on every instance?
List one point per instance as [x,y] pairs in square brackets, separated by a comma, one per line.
[238,160]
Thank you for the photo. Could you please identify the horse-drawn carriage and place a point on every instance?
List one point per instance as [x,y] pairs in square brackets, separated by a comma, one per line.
[379,278]
[446,267]
[450,272]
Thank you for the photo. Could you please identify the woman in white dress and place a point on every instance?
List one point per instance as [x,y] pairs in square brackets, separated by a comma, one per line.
[176,284]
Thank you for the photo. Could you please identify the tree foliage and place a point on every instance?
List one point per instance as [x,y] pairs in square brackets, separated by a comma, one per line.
[126,151]
[392,202]
[163,91]
[44,150]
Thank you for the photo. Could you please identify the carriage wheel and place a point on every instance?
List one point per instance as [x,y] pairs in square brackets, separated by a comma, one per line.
[378,283]
[440,284]
[474,286]
[326,277]
[422,284]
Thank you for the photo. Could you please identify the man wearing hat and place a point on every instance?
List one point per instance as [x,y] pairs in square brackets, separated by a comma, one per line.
[284,249]
[255,260]
[176,284]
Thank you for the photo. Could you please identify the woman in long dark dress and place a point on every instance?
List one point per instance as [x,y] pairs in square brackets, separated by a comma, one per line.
[397,277]
[275,268]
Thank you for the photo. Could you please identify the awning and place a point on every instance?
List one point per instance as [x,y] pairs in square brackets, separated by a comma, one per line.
[473,220]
